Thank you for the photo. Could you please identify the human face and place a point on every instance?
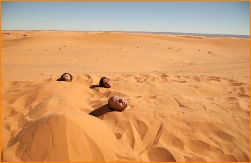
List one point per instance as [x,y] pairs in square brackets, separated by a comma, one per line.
[118,103]
[67,77]
[107,83]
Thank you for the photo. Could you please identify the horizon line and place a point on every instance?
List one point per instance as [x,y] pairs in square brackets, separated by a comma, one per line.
[202,34]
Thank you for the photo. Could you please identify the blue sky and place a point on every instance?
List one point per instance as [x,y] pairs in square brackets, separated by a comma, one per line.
[187,17]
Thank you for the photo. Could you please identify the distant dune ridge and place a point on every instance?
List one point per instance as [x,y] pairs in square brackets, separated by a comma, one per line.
[189,97]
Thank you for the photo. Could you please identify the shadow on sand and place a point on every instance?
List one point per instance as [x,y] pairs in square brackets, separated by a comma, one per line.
[99,112]
[94,86]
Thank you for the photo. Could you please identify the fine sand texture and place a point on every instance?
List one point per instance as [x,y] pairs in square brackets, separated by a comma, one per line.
[189,97]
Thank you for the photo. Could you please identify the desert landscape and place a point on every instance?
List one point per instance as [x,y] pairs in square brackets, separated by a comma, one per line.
[189,97]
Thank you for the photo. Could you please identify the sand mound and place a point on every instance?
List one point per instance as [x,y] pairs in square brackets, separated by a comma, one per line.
[67,136]
[52,125]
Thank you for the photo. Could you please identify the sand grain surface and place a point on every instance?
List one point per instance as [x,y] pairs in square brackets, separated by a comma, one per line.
[189,97]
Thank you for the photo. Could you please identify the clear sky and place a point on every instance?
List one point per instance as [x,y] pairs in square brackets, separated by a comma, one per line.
[187,17]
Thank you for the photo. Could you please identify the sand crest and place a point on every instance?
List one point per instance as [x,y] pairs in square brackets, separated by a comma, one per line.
[189,98]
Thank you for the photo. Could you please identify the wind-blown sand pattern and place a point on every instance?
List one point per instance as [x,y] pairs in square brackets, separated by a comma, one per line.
[189,97]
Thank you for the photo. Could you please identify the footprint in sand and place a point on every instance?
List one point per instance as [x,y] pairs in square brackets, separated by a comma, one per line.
[159,154]
[178,102]
[236,84]
[214,78]
[196,79]
[164,77]
[118,135]
[142,128]
[244,105]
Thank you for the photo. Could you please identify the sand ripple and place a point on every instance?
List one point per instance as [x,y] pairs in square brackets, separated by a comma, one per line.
[173,118]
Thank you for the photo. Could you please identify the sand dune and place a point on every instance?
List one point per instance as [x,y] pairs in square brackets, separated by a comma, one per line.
[189,97]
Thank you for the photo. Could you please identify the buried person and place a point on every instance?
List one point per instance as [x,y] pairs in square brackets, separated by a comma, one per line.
[118,103]
[65,77]
[105,82]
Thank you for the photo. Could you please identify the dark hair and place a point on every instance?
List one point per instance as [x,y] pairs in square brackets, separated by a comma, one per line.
[101,81]
[62,79]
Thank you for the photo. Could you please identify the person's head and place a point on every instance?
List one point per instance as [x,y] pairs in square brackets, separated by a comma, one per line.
[66,77]
[105,82]
[118,103]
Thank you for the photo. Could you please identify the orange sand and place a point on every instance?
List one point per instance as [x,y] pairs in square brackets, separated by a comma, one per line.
[189,97]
